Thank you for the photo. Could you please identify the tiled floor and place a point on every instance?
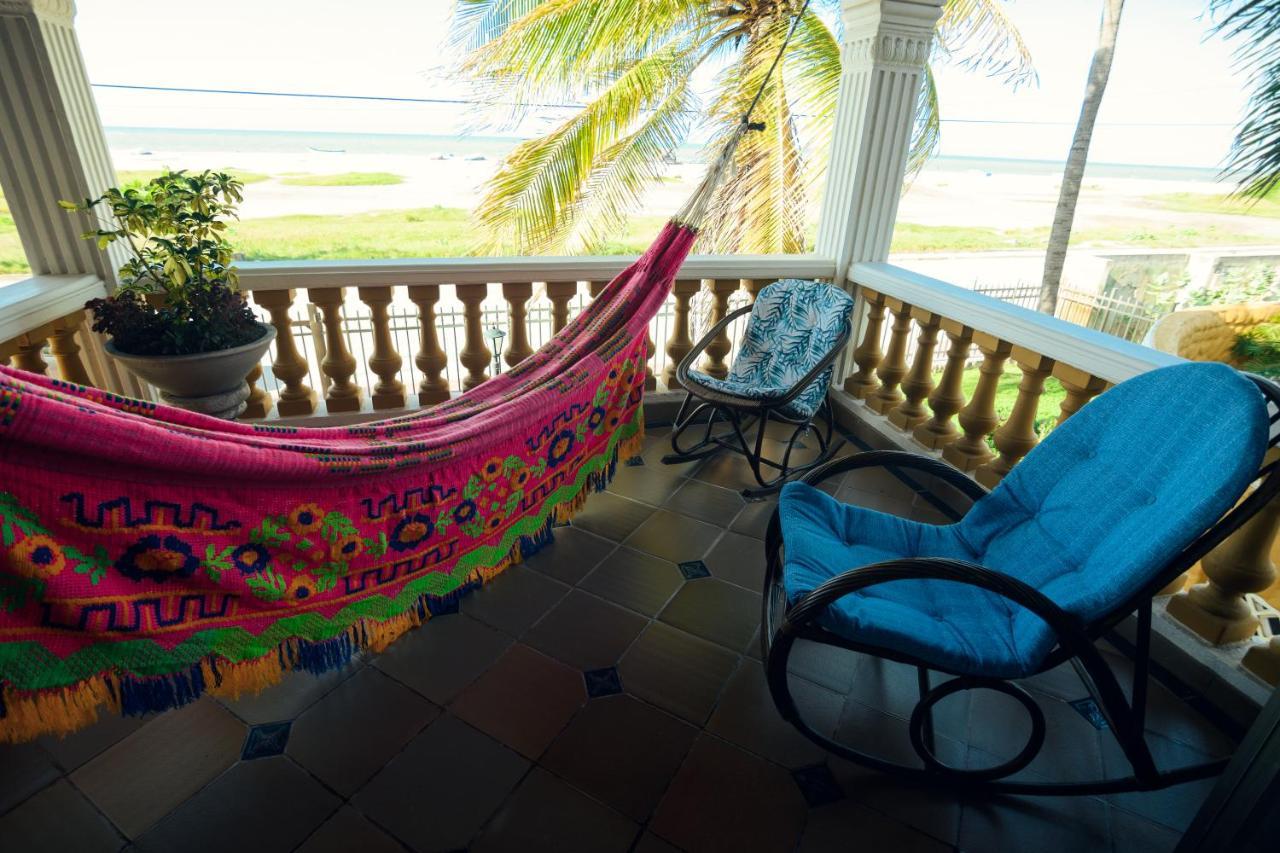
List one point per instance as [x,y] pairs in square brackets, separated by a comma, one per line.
[605,696]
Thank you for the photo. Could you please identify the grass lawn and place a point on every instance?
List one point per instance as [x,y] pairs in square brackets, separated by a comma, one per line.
[345,179]
[1203,203]
[141,176]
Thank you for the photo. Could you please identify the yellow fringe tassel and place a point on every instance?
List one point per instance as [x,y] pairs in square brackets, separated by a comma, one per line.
[64,710]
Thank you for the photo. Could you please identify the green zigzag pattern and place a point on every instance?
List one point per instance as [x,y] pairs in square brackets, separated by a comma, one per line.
[30,666]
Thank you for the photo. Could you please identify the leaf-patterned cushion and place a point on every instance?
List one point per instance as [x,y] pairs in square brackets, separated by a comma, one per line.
[792,326]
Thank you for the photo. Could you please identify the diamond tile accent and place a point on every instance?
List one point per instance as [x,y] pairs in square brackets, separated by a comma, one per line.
[634,462]
[694,569]
[1089,709]
[266,740]
[602,682]
[817,785]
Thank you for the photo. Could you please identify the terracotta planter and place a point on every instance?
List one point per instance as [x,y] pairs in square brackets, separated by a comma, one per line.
[212,383]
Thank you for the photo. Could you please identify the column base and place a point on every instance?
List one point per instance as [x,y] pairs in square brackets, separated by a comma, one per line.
[1264,661]
[1215,629]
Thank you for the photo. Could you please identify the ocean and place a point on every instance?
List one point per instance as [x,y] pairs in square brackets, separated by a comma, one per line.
[160,141]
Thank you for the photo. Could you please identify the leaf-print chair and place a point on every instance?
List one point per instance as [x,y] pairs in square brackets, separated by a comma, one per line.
[780,375]
[1113,505]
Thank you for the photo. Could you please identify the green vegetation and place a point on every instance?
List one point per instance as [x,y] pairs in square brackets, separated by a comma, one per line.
[1207,203]
[1258,350]
[137,177]
[345,179]
[910,238]
[12,257]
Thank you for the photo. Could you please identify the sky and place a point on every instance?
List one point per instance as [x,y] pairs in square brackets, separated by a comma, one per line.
[1173,97]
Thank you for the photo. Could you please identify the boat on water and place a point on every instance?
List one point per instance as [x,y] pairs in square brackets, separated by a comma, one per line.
[328,150]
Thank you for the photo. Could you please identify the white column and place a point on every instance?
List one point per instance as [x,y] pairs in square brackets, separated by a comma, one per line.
[886,45]
[54,148]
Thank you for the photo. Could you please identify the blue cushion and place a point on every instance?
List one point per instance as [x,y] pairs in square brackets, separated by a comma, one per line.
[792,326]
[1088,518]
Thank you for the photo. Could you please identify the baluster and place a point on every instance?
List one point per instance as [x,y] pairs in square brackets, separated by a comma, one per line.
[66,350]
[651,352]
[894,366]
[475,355]
[1264,661]
[863,383]
[431,358]
[595,288]
[560,293]
[29,356]
[517,295]
[978,418]
[290,367]
[1081,387]
[753,286]
[1017,436]
[948,396]
[259,402]
[680,342]
[384,361]
[919,381]
[338,364]
[713,356]
[1217,609]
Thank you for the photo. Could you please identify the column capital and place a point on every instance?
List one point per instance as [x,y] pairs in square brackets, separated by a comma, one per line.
[892,32]
[61,11]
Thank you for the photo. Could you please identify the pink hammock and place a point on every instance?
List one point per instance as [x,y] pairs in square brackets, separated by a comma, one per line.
[149,554]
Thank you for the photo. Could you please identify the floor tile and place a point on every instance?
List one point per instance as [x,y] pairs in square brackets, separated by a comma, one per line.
[622,752]
[728,470]
[1172,807]
[24,769]
[753,521]
[650,843]
[295,693]
[545,814]
[652,484]
[726,799]
[266,740]
[573,553]
[524,700]
[831,828]
[438,792]
[739,560]
[347,831]
[57,820]
[1056,823]
[634,579]
[705,502]
[266,805]
[514,600]
[585,632]
[674,537]
[145,775]
[716,611]
[73,750]
[747,716]
[894,689]
[611,516]
[1001,726]
[442,657]
[676,671]
[1133,834]
[345,737]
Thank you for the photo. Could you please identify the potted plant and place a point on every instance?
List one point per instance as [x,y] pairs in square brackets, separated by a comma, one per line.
[177,319]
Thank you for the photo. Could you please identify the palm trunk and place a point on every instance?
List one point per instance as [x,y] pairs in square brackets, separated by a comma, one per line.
[1073,174]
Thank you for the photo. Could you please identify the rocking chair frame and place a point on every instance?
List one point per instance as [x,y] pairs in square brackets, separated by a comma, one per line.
[742,413]
[783,624]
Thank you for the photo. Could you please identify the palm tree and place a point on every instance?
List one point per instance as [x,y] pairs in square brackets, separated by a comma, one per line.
[1255,154]
[1072,176]
[633,63]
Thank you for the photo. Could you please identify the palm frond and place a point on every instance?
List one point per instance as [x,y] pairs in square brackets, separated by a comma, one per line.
[478,22]
[928,127]
[811,69]
[529,204]
[1254,162]
[979,35]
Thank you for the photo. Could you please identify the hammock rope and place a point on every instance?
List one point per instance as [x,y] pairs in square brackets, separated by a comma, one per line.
[149,555]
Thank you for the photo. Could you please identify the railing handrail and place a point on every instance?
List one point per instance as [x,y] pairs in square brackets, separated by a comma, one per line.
[32,302]
[1101,355]
[283,275]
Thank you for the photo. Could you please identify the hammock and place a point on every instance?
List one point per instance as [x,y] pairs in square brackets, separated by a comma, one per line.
[149,555]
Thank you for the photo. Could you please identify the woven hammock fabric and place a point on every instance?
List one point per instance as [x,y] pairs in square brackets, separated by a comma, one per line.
[148,554]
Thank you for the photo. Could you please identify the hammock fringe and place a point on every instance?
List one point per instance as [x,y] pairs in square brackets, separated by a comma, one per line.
[25,715]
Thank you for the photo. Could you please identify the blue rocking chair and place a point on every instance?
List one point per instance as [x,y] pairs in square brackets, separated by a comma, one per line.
[1112,506]
[781,372]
